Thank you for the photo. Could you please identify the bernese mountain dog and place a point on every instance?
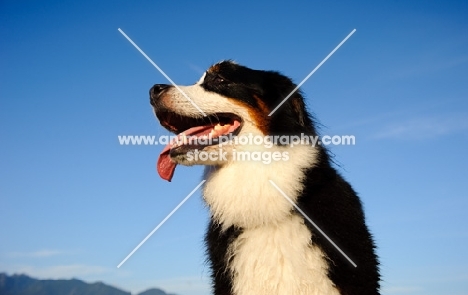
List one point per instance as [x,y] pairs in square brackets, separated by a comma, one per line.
[258,242]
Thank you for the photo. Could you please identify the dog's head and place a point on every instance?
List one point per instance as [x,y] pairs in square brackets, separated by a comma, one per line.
[229,100]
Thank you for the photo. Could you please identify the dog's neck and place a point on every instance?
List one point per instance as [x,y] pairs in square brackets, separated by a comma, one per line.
[240,194]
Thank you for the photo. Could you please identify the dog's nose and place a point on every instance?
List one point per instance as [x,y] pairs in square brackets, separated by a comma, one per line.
[158,88]
[156,91]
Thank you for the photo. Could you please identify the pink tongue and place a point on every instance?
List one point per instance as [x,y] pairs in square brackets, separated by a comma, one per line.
[165,165]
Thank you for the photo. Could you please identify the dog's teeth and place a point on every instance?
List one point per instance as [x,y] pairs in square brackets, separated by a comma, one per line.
[223,127]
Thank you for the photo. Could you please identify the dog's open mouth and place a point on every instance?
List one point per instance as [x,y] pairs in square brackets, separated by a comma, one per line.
[193,134]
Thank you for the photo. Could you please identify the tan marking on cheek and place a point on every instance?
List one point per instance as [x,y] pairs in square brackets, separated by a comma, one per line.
[259,116]
[263,107]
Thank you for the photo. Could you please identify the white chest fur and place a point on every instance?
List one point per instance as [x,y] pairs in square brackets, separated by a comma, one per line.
[274,254]
[277,260]
[240,194]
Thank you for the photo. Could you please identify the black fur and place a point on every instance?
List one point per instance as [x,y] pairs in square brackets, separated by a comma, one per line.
[217,242]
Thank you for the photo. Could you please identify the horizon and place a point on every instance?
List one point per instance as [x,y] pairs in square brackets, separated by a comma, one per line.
[84,281]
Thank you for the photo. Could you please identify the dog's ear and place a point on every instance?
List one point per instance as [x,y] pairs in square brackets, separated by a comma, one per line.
[292,115]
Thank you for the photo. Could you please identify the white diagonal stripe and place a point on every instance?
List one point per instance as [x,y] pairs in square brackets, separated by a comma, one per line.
[161,223]
[311,73]
[161,71]
[313,224]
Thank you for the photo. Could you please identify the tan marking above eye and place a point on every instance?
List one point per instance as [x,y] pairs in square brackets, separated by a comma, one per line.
[213,68]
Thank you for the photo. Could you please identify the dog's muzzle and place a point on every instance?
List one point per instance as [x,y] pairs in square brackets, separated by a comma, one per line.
[156,91]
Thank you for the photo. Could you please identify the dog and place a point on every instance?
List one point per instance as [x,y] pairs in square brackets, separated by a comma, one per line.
[259,242]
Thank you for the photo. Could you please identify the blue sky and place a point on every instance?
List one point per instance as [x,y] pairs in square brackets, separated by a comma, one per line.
[74,202]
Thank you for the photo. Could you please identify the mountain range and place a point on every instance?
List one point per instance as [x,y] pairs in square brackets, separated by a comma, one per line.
[25,285]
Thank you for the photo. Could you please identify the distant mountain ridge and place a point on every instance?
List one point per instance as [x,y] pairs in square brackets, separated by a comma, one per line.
[25,285]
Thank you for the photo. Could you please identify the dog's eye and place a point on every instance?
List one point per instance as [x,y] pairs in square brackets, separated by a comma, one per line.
[218,79]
